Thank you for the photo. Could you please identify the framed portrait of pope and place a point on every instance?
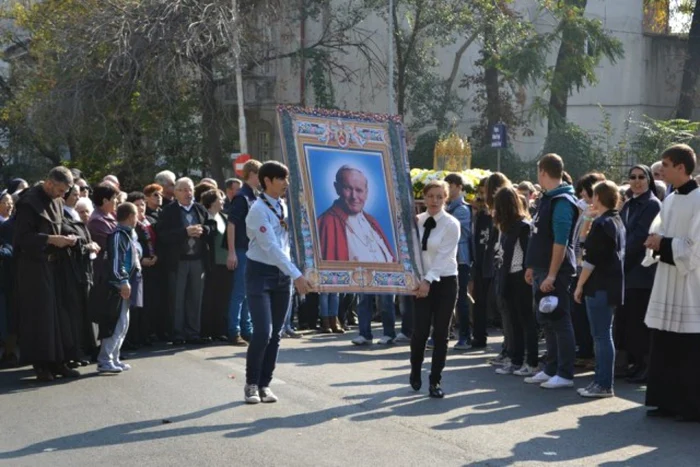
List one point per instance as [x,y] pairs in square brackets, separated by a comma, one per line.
[350,198]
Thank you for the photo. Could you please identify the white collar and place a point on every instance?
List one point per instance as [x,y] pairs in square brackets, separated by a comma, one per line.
[272,200]
[186,208]
[437,216]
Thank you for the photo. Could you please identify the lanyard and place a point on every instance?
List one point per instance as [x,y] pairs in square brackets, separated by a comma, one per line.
[283,223]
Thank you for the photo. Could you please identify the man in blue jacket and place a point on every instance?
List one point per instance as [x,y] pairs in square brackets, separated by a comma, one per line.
[551,266]
[458,208]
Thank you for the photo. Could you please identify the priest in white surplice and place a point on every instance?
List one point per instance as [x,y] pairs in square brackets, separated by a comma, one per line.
[674,309]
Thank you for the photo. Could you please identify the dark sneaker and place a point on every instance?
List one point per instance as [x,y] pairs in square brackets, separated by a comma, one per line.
[252,395]
[597,392]
[267,396]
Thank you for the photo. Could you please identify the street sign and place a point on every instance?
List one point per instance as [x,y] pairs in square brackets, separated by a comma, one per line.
[239,162]
[499,136]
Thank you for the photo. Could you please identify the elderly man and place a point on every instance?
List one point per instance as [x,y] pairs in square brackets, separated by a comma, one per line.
[166,179]
[183,234]
[113,180]
[346,231]
[657,171]
[45,335]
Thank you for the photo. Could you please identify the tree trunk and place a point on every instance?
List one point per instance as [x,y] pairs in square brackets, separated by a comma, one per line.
[686,103]
[491,84]
[210,124]
[561,82]
[449,83]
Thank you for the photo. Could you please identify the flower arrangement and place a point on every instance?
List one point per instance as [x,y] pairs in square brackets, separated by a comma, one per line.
[419,177]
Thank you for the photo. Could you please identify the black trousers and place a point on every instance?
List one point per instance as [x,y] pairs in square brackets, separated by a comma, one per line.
[482,304]
[347,304]
[308,312]
[582,328]
[631,334]
[521,321]
[436,310]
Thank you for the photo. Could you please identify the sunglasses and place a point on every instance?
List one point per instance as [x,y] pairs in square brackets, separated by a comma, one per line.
[638,177]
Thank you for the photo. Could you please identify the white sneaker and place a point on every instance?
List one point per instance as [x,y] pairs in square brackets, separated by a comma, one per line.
[266,395]
[360,340]
[108,367]
[386,340]
[558,382]
[252,395]
[525,370]
[402,339]
[123,366]
[509,369]
[539,378]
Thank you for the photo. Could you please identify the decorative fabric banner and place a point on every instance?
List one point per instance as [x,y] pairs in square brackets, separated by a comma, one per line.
[351,200]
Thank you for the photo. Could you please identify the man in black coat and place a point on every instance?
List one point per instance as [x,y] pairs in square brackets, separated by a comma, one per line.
[44,333]
[183,233]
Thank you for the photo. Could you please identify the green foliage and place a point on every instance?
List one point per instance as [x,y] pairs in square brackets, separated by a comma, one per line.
[583,43]
[654,136]
[486,157]
[601,150]
[421,156]
[319,77]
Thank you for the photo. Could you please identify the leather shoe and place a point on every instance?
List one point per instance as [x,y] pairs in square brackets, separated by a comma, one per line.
[63,370]
[415,380]
[659,413]
[436,391]
[43,374]
[640,377]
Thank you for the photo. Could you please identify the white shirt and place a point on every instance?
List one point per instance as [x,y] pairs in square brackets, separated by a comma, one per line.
[440,259]
[269,241]
[364,243]
[186,208]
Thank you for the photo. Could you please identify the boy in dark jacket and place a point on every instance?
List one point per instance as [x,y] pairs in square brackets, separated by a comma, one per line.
[124,278]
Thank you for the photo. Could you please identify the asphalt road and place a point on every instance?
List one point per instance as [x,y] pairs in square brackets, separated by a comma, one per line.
[339,405]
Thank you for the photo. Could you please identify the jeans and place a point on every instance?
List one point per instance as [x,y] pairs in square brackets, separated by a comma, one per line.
[364,315]
[558,333]
[600,317]
[329,305]
[465,332]
[239,322]
[111,346]
[436,310]
[290,315]
[269,293]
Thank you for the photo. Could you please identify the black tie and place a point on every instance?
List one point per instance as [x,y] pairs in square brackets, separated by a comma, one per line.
[428,226]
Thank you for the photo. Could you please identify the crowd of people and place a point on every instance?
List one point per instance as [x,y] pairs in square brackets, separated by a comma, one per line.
[607,274]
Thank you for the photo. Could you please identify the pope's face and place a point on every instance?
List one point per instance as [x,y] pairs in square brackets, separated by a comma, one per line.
[352,190]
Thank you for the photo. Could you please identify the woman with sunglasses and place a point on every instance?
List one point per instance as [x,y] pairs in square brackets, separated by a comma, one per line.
[637,215]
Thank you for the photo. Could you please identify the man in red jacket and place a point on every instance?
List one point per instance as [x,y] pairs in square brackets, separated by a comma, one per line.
[346,232]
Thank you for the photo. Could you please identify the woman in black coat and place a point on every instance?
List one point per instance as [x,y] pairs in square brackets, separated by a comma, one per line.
[218,281]
[637,214]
